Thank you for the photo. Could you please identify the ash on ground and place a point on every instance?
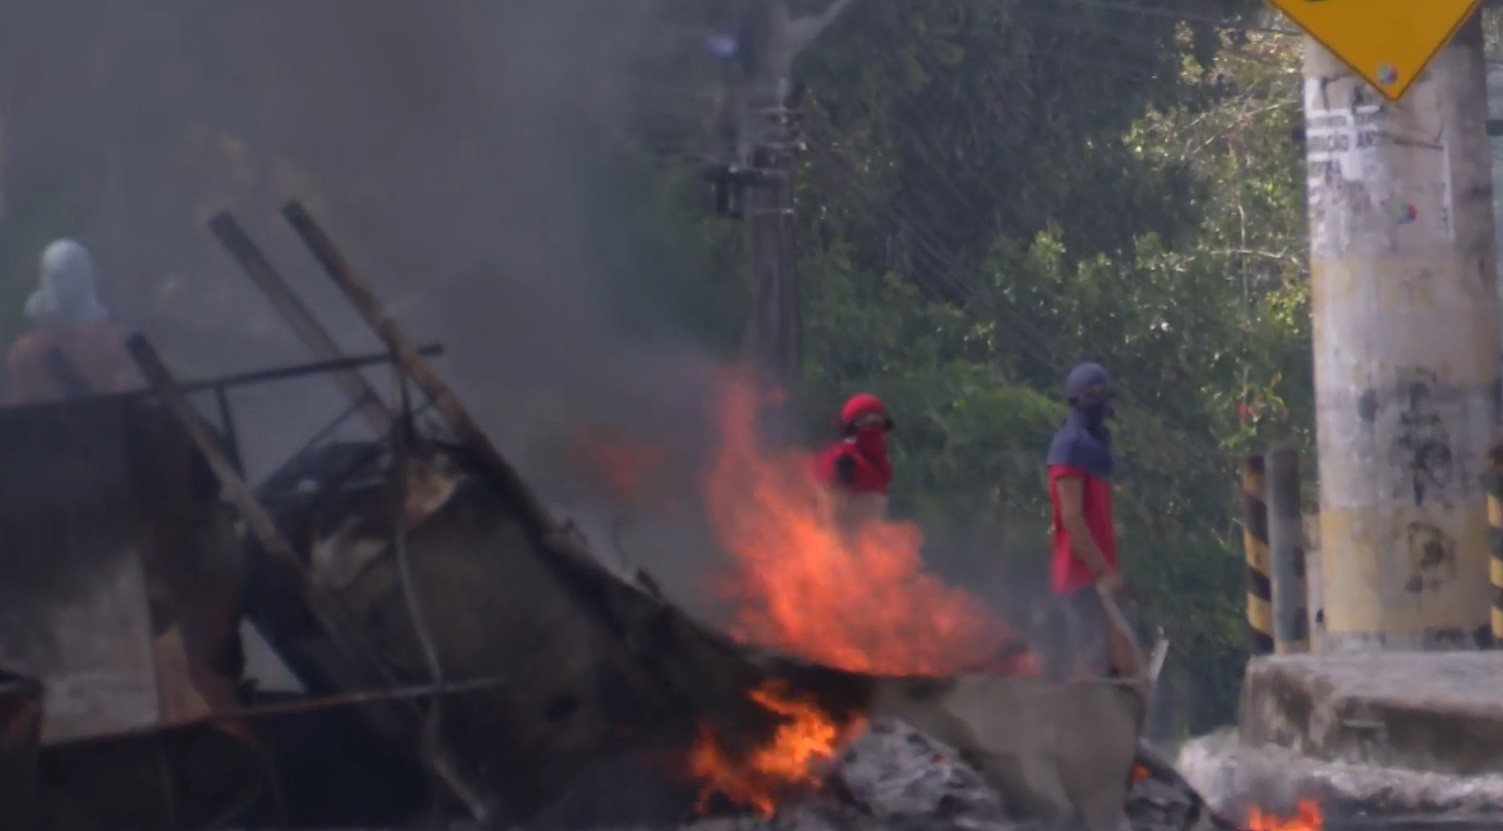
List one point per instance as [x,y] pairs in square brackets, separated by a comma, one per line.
[1232,775]
[895,772]
[894,778]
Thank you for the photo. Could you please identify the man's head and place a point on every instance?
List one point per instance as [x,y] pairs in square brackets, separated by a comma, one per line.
[865,411]
[1088,388]
[65,290]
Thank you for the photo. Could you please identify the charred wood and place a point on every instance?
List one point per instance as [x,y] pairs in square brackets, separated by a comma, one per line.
[361,661]
[298,317]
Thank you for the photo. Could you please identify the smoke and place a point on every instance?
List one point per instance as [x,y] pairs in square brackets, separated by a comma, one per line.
[469,157]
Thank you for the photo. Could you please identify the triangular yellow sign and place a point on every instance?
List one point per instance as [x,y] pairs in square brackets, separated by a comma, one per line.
[1388,42]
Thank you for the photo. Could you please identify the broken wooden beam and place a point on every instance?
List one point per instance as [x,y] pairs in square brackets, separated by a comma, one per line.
[296,313]
[503,475]
[335,621]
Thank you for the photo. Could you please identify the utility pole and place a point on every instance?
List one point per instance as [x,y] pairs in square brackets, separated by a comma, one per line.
[773,328]
[1406,344]
[754,181]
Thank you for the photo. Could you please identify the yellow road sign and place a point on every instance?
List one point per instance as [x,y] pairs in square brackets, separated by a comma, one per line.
[1388,42]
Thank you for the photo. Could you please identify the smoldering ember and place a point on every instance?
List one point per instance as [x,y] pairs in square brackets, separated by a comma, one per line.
[750,415]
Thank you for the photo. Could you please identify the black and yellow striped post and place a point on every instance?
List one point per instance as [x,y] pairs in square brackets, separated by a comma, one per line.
[1255,545]
[1495,541]
[1286,553]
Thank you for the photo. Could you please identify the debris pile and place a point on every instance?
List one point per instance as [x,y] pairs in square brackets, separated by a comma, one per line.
[893,772]
[427,601]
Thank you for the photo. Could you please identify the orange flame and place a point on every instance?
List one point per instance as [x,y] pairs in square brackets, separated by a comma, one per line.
[854,597]
[1307,817]
[804,742]
[622,465]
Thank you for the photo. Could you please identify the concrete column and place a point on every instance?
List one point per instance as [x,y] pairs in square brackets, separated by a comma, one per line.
[1406,342]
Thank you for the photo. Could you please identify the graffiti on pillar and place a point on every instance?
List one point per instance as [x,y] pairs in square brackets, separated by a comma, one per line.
[1432,557]
[1422,448]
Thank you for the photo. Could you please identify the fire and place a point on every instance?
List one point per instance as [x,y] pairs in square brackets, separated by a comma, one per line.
[805,741]
[622,465]
[854,597]
[1307,817]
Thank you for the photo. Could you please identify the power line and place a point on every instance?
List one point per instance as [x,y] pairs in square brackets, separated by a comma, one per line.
[969,286]
[1023,335]
[1042,350]
[1186,17]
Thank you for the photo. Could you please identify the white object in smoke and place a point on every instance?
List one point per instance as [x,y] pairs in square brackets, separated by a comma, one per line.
[66,292]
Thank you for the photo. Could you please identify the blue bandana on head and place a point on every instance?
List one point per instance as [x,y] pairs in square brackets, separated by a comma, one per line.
[1084,441]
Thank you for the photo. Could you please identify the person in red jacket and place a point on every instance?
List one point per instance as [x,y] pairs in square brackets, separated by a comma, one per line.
[1081,463]
[857,468]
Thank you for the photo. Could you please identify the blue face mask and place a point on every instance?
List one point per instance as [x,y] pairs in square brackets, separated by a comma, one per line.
[1084,441]
[1097,412]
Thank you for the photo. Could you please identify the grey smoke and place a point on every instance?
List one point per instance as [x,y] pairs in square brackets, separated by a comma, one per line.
[471,157]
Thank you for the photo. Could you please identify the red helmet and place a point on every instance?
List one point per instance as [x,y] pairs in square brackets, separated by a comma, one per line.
[863,404]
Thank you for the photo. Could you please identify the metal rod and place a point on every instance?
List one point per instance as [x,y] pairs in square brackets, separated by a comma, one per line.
[401,471]
[321,704]
[333,620]
[296,313]
[262,376]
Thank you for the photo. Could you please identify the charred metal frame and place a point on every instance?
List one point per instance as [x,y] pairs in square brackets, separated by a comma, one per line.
[657,664]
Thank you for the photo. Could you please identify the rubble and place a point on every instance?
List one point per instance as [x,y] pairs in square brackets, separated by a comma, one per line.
[1226,771]
[895,772]
[422,560]
[1433,711]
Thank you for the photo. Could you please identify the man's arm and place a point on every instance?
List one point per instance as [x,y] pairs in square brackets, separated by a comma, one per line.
[1082,543]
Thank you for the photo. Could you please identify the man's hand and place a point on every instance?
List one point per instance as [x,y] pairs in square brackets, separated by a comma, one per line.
[1110,582]
[845,470]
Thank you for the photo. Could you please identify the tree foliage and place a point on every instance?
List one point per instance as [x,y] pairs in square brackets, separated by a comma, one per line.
[995,190]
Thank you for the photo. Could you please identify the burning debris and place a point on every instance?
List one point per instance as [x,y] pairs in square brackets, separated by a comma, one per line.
[853,682]
[853,596]
[803,745]
[623,466]
[894,772]
[1306,817]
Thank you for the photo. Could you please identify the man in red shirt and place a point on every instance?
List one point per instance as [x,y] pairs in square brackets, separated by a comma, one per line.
[856,469]
[1081,464]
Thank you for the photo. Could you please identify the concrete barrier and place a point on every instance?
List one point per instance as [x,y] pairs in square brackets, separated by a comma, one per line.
[1438,712]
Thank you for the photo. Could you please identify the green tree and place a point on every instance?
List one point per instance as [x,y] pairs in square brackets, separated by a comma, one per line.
[1161,236]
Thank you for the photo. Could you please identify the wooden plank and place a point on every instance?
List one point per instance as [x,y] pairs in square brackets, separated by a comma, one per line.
[503,476]
[330,617]
[296,313]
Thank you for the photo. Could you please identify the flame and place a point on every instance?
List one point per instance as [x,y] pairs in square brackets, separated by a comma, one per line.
[620,464]
[1307,817]
[851,596]
[806,739]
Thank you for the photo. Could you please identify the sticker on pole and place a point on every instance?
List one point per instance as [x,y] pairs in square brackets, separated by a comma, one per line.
[1387,42]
